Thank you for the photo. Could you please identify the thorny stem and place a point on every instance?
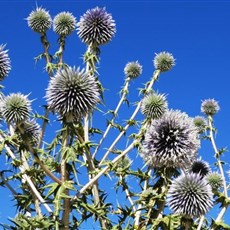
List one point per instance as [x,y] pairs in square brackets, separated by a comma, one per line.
[46,45]
[60,51]
[36,201]
[88,158]
[4,180]
[154,78]
[221,214]
[138,213]
[104,170]
[46,170]
[45,121]
[27,178]
[64,178]
[125,89]
[128,196]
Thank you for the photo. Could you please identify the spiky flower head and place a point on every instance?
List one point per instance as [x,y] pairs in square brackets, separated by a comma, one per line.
[5,66]
[15,108]
[215,180]
[201,167]
[164,61]
[64,23]
[210,107]
[190,195]
[171,141]
[133,70]
[72,93]
[39,20]
[29,132]
[96,27]
[154,105]
[200,123]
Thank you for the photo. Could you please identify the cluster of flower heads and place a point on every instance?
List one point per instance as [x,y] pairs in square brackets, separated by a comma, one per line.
[72,93]
[96,27]
[171,141]
[39,20]
[15,110]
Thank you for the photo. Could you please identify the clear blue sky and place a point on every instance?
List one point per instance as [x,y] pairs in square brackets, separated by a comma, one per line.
[197,33]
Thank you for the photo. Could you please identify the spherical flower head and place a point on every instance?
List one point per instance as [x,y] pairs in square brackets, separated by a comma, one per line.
[210,107]
[5,66]
[215,180]
[171,141]
[64,24]
[15,108]
[96,27]
[133,70]
[29,132]
[72,93]
[154,105]
[39,20]
[190,195]
[201,167]
[164,61]
[200,123]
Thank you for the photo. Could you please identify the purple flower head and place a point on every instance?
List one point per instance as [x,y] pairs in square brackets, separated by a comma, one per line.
[190,194]
[96,27]
[171,141]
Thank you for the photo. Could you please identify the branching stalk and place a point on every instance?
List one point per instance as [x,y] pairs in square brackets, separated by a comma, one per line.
[113,118]
[154,78]
[222,212]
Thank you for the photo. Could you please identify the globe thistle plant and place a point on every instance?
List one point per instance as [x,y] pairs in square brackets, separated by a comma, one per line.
[201,167]
[210,107]
[200,123]
[96,27]
[171,141]
[15,108]
[64,24]
[164,61]
[5,66]
[215,180]
[154,105]
[39,20]
[190,195]
[72,93]
[133,70]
